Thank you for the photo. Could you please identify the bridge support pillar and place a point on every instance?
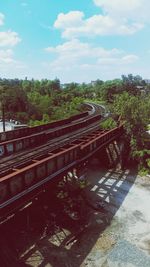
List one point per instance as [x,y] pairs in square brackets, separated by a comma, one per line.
[116,150]
[112,155]
[122,154]
[104,157]
[78,175]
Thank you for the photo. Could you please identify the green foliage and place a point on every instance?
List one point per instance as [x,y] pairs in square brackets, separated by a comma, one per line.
[135,113]
[108,124]
[109,89]
[42,103]
[14,101]
[38,102]
[143,171]
[35,122]
[148,163]
[131,82]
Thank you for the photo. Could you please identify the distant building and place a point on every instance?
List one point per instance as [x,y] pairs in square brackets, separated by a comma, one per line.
[11,125]
[147,81]
[141,89]
[93,83]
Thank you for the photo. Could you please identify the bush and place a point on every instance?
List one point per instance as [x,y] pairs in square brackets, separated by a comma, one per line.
[108,124]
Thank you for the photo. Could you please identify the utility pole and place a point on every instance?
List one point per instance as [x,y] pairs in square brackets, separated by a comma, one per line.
[2,106]
[3,117]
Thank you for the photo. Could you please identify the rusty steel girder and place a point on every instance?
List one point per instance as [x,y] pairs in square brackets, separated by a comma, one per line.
[29,178]
[21,132]
[22,143]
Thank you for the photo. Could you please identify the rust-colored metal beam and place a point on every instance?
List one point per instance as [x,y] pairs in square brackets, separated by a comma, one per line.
[25,179]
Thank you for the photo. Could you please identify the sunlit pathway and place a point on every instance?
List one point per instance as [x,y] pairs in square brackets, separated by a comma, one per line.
[126,241]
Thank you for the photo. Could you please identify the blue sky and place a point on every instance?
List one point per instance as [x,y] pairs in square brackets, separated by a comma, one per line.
[78,41]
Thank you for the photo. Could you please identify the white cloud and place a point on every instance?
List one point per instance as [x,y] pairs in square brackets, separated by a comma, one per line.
[131,9]
[82,61]
[8,63]
[6,56]
[117,17]
[96,25]
[79,49]
[9,66]
[129,59]
[9,38]
[1,19]
[7,59]
[76,50]
[71,19]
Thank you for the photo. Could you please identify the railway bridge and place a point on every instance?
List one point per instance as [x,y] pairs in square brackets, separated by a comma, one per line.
[31,162]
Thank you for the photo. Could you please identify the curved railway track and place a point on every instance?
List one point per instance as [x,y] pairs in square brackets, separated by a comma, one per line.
[26,182]
[22,158]
[13,213]
[17,159]
[58,154]
[17,145]
[46,132]
[22,132]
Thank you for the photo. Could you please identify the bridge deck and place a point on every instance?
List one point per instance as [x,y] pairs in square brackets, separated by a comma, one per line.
[27,180]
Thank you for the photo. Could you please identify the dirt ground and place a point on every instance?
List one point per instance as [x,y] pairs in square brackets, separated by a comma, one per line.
[116,230]
[126,241]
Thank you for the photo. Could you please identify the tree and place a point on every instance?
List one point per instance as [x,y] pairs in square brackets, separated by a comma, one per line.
[130,83]
[14,100]
[135,113]
[110,88]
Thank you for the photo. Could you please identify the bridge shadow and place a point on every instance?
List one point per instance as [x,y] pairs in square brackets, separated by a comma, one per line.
[70,241]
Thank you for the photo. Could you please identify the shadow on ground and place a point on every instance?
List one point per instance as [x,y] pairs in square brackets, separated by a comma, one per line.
[67,242]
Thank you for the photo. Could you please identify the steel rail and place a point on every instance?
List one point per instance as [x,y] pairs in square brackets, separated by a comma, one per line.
[17,144]
[28,155]
[31,153]
[85,148]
